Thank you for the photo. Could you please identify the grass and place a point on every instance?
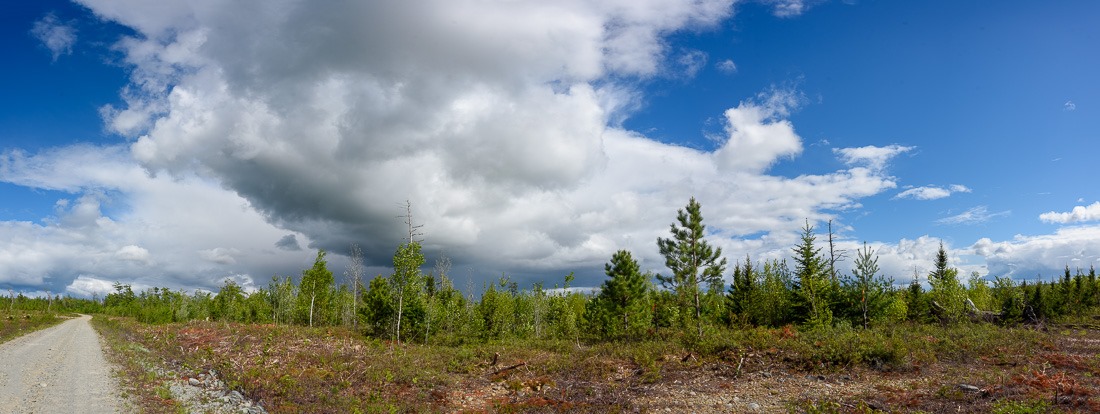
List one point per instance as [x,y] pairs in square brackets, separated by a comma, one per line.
[18,323]
[141,384]
[904,368]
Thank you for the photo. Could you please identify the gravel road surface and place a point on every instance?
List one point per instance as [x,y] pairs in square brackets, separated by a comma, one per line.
[57,370]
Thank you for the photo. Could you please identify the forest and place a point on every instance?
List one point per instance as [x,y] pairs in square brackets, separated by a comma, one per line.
[692,301]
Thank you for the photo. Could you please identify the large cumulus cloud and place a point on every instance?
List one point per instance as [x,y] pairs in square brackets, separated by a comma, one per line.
[496,121]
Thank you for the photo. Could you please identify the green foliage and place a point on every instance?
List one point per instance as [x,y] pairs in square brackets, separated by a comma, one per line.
[742,292]
[621,308]
[867,289]
[378,311]
[281,297]
[815,285]
[947,296]
[917,303]
[407,287]
[1009,300]
[315,293]
[978,291]
[692,260]
[229,303]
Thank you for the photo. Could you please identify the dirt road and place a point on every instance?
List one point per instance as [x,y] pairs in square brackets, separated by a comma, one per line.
[57,370]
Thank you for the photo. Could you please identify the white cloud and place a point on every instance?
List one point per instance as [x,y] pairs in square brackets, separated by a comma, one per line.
[1069,106]
[133,253]
[151,238]
[932,192]
[789,8]
[727,66]
[87,286]
[58,37]
[253,131]
[220,255]
[1077,215]
[759,133]
[870,156]
[1026,257]
[975,215]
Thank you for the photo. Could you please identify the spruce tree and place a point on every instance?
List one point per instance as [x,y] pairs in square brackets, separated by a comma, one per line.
[947,291]
[814,280]
[692,260]
[741,290]
[626,287]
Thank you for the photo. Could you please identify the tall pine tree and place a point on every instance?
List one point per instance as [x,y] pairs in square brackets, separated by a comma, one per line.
[692,260]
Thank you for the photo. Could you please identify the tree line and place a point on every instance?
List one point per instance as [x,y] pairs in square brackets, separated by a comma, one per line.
[693,299]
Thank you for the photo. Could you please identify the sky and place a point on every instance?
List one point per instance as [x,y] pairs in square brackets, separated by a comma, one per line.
[180,143]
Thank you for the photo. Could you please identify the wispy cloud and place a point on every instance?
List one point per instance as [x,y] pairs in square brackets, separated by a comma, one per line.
[870,156]
[55,35]
[691,62]
[931,192]
[727,66]
[790,8]
[1077,215]
[976,215]
[1069,106]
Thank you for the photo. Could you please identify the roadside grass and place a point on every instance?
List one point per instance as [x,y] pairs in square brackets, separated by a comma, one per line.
[141,385]
[299,369]
[14,324]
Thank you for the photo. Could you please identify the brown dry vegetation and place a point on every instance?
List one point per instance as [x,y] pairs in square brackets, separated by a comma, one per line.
[909,368]
[14,324]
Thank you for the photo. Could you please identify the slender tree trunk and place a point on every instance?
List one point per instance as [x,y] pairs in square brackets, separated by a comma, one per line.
[400,306]
[312,297]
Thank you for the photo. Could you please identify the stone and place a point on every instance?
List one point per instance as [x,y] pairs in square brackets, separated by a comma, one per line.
[235,396]
[754,406]
[194,382]
[969,388]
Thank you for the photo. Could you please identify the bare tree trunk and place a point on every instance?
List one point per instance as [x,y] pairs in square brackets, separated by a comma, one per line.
[400,306]
[312,297]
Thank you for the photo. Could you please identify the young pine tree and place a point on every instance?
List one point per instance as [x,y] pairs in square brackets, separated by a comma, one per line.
[694,263]
[869,290]
[947,294]
[814,281]
[625,290]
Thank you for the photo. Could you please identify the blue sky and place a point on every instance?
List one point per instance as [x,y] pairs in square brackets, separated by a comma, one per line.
[177,144]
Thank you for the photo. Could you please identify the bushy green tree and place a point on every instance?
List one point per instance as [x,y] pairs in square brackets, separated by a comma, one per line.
[742,293]
[978,291]
[407,283]
[774,300]
[623,297]
[815,286]
[1009,299]
[281,298]
[693,261]
[947,295]
[315,292]
[868,289]
[378,309]
[229,302]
